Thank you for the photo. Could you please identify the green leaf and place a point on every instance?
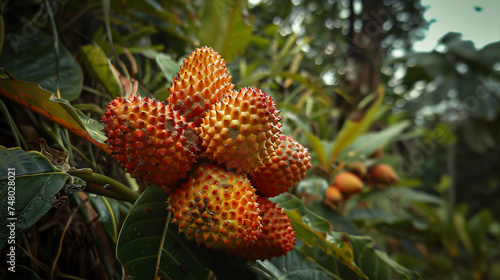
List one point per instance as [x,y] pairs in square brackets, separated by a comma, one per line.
[339,223]
[309,83]
[35,182]
[290,202]
[313,185]
[346,256]
[294,265]
[168,66]
[369,142]
[58,110]
[149,247]
[318,147]
[310,228]
[375,263]
[100,68]
[394,206]
[323,250]
[93,127]
[358,122]
[33,60]
[477,228]
[109,213]
[224,28]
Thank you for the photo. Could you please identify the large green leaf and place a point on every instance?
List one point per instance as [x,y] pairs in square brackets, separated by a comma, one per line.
[150,247]
[224,28]
[25,194]
[367,143]
[58,110]
[318,147]
[109,211]
[32,59]
[393,206]
[358,122]
[313,185]
[337,220]
[346,256]
[101,69]
[295,265]
[375,263]
[310,228]
[168,66]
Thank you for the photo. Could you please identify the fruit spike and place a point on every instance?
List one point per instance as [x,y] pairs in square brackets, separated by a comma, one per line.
[150,140]
[241,130]
[216,207]
[286,166]
[202,81]
[278,236]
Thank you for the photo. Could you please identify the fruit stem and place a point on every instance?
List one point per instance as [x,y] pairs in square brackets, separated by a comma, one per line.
[111,187]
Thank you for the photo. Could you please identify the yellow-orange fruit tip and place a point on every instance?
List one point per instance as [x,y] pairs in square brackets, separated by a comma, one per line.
[348,183]
[241,130]
[150,139]
[286,166]
[216,208]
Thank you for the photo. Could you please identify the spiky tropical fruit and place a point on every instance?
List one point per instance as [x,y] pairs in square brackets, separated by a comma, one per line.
[150,140]
[216,207]
[242,130]
[348,183]
[382,175]
[278,236]
[201,82]
[286,166]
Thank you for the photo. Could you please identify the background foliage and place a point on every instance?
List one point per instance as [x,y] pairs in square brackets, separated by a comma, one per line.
[341,92]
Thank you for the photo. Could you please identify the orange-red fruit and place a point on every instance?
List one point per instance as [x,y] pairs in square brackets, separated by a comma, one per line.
[286,166]
[217,208]
[242,130]
[333,195]
[277,239]
[150,140]
[381,175]
[201,82]
[348,183]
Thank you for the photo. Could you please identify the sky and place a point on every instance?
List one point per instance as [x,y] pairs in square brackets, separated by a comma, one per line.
[477,20]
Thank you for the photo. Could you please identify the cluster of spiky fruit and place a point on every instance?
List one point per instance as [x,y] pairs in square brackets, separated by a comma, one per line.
[217,152]
[350,182]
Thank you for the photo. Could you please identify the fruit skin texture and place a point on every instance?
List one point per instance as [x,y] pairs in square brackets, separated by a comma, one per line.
[286,166]
[201,82]
[382,175]
[217,208]
[242,130]
[150,140]
[278,236]
[333,195]
[348,183]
